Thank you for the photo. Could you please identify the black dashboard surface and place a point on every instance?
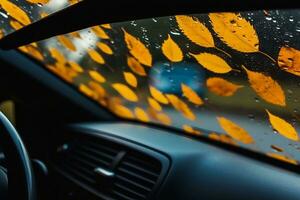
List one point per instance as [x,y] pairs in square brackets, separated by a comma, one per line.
[202,171]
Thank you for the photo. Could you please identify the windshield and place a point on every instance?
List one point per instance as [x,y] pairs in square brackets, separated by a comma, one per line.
[234,75]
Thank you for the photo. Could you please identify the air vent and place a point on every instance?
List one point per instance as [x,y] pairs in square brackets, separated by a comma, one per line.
[136,176]
[88,160]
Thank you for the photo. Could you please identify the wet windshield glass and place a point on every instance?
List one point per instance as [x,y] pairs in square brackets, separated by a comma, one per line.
[234,75]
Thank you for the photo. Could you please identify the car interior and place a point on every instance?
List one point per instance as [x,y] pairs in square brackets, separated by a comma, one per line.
[165,100]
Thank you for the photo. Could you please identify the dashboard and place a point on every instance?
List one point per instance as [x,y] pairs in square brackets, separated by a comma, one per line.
[126,161]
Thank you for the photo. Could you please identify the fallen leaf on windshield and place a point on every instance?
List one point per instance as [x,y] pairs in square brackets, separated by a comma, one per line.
[38,1]
[100,32]
[15,24]
[135,66]
[86,90]
[212,62]
[98,89]
[122,111]
[75,34]
[195,31]
[191,95]
[75,66]
[57,55]
[34,52]
[181,106]
[105,48]
[130,79]
[282,158]
[66,42]
[141,114]
[221,86]
[15,12]
[171,50]
[107,26]
[158,95]
[72,2]
[125,92]
[137,49]
[289,60]
[283,127]
[267,88]
[154,104]
[191,130]
[97,76]
[235,31]
[96,56]
[235,131]
[161,117]
[222,138]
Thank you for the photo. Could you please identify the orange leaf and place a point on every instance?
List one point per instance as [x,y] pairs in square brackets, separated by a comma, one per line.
[161,117]
[141,114]
[221,86]
[96,56]
[34,52]
[180,106]
[222,138]
[283,158]
[98,89]
[1,34]
[75,66]
[212,62]
[97,76]
[105,48]
[66,42]
[122,111]
[289,60]
[191,95]
[283,127]
[125,92]
[15,24]
[86,90]
[191,130]
[38,1]
[75,34]
[235,31]
[100,32]
[154,104]
[15,12]
[130,79]
[195,31]
[107,26]
[235,131]
[158,95]
[138,49]
[57,55]
[135,66]
[171,50]
[267,88]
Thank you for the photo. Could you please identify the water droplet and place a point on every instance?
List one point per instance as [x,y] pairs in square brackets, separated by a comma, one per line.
[251,116]
[3,15]
[268,18]
[291,19]
[256,100]
[174,33]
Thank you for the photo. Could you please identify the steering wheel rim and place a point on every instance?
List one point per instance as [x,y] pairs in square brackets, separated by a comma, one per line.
[20,174]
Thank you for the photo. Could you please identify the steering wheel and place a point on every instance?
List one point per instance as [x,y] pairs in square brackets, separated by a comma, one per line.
[20,174]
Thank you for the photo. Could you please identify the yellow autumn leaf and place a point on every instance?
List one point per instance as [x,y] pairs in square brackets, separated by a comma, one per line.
[181,106]
[154,104]
[158,95]
[75,66]
[15,12]
[96,56]
[107,26]
[130,79]
[191,130]
[72,2]
[161,117]
[141,114]
[171,50]
[104,48]
[283,127]
[122,111]
[15,24]
[38,1]
[221,87]
[289,60]
[34,52]
[235,31]
[75,34]
[66,42]
[86,90]
[135,66]
[212,63]
[222,138]
[137,49]
[98,89]
[195,31]
[267,88]
[235,131]
[57,55]
[191,95]
[283,158]
[97,76]
[125,92]
[100,32]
